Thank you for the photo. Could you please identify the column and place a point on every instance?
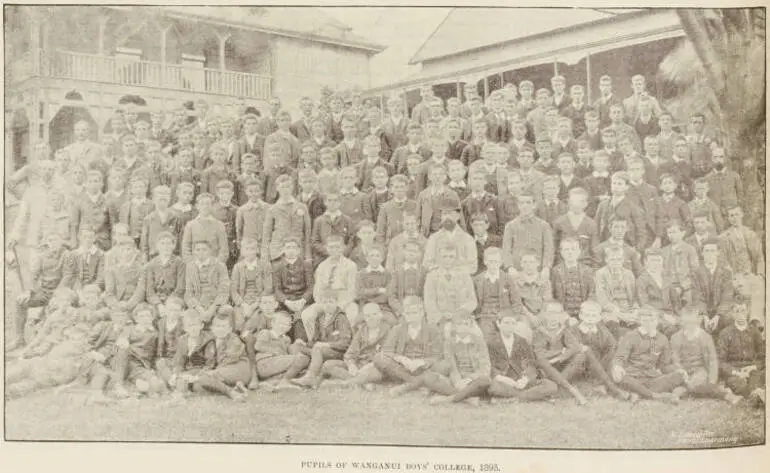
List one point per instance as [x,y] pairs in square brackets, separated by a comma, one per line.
[486,88]
[163,44]
[223,37]
[457,91]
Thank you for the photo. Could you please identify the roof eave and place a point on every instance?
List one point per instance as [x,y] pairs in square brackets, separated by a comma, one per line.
[372,48]
[416,59]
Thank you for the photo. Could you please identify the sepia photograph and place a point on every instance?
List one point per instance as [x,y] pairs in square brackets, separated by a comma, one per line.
[444,226]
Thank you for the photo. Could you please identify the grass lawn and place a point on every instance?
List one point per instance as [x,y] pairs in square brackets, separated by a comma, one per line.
[338,416]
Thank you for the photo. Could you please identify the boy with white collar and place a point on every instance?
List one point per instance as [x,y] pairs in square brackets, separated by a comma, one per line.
[495,291]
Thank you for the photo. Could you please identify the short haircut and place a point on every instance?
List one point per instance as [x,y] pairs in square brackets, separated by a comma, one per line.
[400,179]
[590,304]
[578,192]
[185,185]
[175,300]
[480,217]
[165,235]
[364,224]
[225,184]
[282,179]
[569,241]
[621,175]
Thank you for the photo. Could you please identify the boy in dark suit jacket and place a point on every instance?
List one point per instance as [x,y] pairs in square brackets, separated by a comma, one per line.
[293,283]
[250,142]
[85,264]
[411,348]
[480,225]
[330,339]
[514,369]
[572,281]
[495,292]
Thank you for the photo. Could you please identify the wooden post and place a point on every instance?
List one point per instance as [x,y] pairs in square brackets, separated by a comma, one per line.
[555,67]
[458,90]
[382,106]
[222,42]
[486,87]
[588,78]
[502,84]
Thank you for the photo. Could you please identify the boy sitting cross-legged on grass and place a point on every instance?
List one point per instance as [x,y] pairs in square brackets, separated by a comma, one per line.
[599,347]
[411,347]
[329,339]
[356,367]
[741,351]
[557,350]
[642,362]
[469,367]
[514,367]
[693,351]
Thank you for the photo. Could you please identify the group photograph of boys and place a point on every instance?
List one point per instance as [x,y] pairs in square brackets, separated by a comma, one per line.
[517,260]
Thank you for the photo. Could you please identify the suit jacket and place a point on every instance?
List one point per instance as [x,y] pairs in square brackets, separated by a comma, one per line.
[301,130]
[349,156]
[559,278]
[753,245]
[488,204]
[403,284]
[492,240]
[517,363]
[394,134]
[606,214]
[430,341]
[455,149]
[508,292]
[716,291]
[425,206]
[242,147]
[336,331]
[603,282]
[398,160]
[232,351]
[81,269]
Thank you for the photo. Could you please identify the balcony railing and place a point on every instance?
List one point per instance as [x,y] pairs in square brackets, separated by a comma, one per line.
[126,71]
